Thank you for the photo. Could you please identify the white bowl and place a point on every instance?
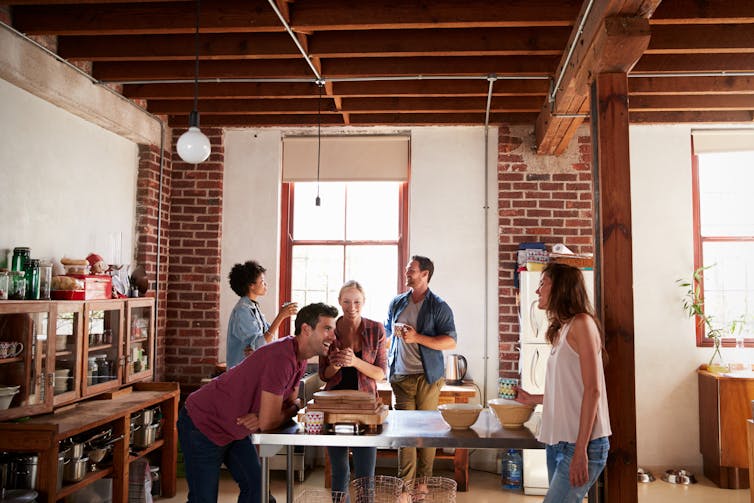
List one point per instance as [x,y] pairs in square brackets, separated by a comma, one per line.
[5,400]
[511,414]
[8,390]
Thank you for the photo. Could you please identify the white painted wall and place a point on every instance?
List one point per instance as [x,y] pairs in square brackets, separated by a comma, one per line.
[666,352]
[68,186]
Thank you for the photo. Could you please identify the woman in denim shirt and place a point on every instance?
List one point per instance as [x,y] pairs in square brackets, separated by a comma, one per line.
[356,360]
[247,328]
[575,420]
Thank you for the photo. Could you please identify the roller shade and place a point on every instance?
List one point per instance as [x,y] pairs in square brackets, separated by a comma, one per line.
[723,140]
[346,158]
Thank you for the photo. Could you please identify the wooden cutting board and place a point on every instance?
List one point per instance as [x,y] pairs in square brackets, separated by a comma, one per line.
[358,417]
[355,406]
[351,395]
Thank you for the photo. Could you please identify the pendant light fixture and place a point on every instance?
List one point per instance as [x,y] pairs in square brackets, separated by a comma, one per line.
[321,84]
[193,145]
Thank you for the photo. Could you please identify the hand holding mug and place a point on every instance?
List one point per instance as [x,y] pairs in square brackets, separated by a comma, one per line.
[288,309]
[399,329]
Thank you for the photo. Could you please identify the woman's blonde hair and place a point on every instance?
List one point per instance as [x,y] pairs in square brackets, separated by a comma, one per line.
[351,284]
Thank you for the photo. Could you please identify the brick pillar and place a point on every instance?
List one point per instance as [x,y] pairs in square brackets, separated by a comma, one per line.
[193,283]
[147,201]
[540,198]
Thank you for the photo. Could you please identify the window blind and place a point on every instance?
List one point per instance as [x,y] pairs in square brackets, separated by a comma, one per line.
[346,158]
[722,140]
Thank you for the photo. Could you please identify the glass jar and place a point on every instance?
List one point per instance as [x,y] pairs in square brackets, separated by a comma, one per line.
[16,285]
[4,285]
[91,371]
[45,280]
[103,369]
[32,279]
[20,256]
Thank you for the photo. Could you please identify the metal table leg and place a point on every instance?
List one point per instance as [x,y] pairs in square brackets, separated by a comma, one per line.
[265,479]
[289,474]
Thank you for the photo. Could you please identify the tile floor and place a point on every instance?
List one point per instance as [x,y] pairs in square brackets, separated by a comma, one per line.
[485,488]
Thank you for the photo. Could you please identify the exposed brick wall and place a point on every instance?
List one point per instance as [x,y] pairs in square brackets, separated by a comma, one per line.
[193,282]
[540,198]
[147,198]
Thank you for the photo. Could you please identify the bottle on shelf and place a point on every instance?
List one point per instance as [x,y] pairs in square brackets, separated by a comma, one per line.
[513,469]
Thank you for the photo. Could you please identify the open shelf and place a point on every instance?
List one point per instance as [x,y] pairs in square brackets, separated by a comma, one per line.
[90,477]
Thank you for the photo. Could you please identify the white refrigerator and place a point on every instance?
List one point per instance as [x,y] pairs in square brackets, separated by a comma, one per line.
[534,351]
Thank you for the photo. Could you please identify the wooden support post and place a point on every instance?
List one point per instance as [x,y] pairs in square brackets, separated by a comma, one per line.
[614,299]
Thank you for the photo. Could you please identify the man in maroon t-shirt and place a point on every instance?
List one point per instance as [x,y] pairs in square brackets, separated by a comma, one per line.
[260,393]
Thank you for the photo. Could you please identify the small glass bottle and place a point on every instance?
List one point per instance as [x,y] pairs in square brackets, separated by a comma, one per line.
[32,279]
[4,284]
[45,280]
[91,371]
[103,369]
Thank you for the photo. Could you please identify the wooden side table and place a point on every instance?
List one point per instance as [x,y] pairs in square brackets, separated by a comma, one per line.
[449,394]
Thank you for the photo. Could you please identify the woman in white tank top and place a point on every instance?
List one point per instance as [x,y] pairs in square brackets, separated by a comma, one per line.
[575,421]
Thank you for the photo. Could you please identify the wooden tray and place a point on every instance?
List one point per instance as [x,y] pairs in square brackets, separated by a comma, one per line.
[359,417]
[344,395]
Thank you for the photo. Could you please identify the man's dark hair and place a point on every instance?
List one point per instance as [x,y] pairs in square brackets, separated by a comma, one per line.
[310,315]
[424,265]
[244,275]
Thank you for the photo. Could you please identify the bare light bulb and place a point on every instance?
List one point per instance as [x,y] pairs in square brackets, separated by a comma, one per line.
[193,146]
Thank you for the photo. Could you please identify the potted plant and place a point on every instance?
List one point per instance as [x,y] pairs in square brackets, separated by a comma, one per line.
[693,305]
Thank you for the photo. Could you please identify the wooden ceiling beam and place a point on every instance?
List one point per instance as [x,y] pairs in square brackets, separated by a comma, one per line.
[677,12]
[702,103]
[156,70]
[440,42]
[469,66]
[441,105]
[224,90]
[218,16]
[613,44]
[248,120]
[479,87]
[736,116]
[235,107]
[691,85]
[315,15]
[439,119]
[177,47]
[694,39]
[691,63]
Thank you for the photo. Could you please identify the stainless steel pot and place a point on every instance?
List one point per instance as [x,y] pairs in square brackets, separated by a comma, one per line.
[62,461]
[24,472]
[75,469]
[73,450]
[145,436]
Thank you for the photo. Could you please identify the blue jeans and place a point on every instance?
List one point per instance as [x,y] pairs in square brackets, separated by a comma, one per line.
[364,460]
[203,459]
[559,458]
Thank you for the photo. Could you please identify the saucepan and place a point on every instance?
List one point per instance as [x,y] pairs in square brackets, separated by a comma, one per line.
[75,469]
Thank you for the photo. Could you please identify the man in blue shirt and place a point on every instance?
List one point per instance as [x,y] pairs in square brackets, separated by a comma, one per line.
[422,327]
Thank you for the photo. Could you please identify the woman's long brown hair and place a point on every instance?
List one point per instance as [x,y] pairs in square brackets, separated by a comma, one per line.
[568,297]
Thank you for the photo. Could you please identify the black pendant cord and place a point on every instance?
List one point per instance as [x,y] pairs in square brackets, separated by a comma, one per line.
[195,115]
[318,201]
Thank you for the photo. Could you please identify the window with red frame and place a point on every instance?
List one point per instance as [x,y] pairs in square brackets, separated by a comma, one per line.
[359,232]
[724,239]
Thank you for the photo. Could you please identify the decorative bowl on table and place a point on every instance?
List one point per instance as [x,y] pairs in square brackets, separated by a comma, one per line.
[511,414]
[460,416]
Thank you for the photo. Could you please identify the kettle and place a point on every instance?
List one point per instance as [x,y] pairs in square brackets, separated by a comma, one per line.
[455,369]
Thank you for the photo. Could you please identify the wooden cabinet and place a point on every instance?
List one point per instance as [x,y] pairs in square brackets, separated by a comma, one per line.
[27,372]
[42,435]
[724,407]
[139,339]
[74,349]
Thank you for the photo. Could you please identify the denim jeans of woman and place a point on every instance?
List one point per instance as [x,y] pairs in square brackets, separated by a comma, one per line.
[203,459]
[364,460]
[559,458]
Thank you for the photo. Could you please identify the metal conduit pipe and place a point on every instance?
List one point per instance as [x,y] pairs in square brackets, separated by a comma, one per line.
[485,310]
[295,40]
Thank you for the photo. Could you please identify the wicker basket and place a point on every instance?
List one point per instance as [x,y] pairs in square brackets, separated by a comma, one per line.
[321,496]
[377,489]
[432,490]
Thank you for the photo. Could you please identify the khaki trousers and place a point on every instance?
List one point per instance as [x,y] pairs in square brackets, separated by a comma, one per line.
[412,392]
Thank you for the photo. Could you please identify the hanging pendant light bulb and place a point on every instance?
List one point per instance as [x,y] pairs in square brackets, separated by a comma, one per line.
[321,84]
[193,145]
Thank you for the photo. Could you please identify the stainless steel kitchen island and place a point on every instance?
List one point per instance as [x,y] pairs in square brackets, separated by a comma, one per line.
[402,428]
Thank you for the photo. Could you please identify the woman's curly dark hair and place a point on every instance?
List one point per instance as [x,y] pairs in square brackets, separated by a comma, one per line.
[244,275]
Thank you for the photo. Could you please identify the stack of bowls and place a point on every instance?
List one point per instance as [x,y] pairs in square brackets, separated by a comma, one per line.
[7,393]
[61,380]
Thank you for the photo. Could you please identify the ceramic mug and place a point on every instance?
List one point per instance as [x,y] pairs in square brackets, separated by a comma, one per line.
[507,387]
[10,349]
[315,421]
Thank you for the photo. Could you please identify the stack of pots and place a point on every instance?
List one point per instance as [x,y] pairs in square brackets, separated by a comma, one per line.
[18,471]
[72,463]
[145,426]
